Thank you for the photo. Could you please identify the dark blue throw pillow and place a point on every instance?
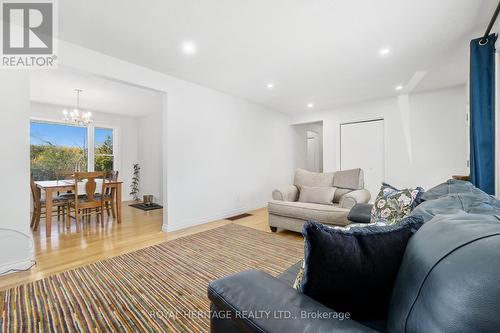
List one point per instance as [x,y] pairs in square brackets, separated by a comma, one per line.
[354,270]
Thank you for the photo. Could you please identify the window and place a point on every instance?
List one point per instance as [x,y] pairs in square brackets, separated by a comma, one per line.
[56,149]
[103,149]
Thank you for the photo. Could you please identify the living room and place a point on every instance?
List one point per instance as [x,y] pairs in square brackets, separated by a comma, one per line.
[253,105]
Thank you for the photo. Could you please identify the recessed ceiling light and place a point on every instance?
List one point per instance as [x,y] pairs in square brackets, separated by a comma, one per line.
[270,85]
[310,105]
[384,51]
[188,47]
[398,88]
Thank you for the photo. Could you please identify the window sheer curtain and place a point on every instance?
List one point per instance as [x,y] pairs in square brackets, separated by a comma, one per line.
[482,113]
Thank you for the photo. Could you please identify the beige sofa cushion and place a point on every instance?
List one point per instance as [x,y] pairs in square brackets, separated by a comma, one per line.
[350,179]
[315,194]
[310,211]
[308,178]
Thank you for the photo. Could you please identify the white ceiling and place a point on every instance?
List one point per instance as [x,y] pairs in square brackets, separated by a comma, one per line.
[99,94]
[321,51]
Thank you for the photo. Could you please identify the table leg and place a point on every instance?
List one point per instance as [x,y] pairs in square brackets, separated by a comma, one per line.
[119,203]
[48,211]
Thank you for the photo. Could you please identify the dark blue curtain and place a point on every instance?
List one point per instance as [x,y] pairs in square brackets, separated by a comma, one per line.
[482,114]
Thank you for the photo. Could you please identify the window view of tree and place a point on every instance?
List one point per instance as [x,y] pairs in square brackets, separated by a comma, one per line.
[103,149]
[56,149]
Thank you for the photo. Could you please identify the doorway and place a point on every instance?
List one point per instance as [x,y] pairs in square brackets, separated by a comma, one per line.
[313,151]
[362,145]
[308,143]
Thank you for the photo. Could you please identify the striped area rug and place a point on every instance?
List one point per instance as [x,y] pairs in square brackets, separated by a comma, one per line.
[157,289]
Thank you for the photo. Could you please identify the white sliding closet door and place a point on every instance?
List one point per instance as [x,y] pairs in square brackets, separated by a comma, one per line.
[362,146]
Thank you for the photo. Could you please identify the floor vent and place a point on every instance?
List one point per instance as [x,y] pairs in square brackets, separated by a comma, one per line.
[237,217]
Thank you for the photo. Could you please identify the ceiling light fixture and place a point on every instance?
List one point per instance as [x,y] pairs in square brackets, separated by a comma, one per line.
[188,47]
[270,85]
[77,116]
[310,105]
[398,88]
[384,51]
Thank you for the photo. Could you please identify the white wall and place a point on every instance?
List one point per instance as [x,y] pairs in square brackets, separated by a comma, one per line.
[16,244]
[126,135]
[225,156]
[300,143]
[425,135]
[151,155]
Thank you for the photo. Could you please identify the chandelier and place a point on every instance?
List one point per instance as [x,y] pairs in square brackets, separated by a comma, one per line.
[77,116]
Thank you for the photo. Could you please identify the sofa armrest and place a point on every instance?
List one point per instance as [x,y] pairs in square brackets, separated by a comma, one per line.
[286,193]
[358,196]
[360,213]
[254,301]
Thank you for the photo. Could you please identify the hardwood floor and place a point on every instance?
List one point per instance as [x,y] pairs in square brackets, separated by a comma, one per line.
[68,249]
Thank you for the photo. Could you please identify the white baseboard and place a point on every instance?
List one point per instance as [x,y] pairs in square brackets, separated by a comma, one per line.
[16,254]
[22,265]
[192,223]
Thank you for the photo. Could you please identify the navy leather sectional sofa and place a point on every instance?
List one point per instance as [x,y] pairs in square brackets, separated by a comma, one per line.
[449,280]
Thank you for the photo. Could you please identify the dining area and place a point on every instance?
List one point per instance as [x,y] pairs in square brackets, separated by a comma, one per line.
[79,198]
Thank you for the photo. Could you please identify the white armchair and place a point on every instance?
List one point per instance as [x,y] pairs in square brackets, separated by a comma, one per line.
[287,212]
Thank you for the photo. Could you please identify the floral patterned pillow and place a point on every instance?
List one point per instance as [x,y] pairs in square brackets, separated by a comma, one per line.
[300,277]
[392,205]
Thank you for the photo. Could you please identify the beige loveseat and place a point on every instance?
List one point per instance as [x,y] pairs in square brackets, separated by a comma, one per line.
[285,211]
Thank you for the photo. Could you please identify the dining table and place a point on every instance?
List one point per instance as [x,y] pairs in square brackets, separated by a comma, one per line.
[53,186]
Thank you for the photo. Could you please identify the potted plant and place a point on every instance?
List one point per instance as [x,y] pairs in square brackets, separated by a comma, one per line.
[134,186]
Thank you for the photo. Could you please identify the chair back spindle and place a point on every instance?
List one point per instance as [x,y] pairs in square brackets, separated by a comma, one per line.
[90,184]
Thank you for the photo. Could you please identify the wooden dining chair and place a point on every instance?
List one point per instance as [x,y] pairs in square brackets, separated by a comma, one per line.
[62,174]
[84,204]
[110,194]
[39,208]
